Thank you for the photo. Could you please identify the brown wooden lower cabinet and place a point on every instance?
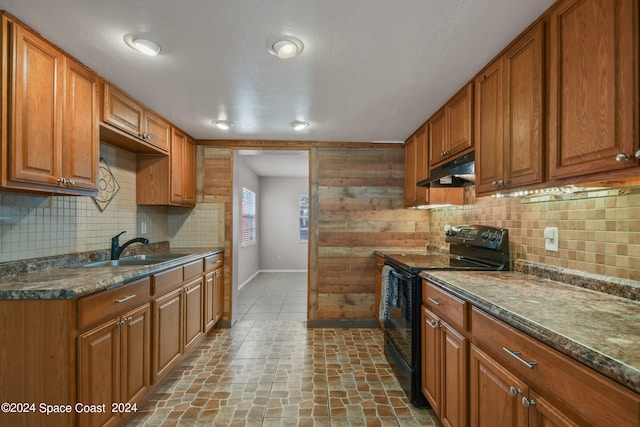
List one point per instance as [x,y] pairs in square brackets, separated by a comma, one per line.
[193,311]
[167,332]
[444,369]
[213,294]
[114,366]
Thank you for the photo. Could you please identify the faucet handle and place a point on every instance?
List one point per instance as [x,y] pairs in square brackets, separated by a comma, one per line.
[118,235]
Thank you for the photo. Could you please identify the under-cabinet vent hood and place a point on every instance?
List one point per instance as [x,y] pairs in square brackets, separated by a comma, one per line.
[459,172]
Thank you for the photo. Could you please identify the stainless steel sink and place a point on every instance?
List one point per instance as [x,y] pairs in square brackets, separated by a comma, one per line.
[133,260]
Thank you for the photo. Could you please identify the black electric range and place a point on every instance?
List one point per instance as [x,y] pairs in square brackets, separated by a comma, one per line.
[472,247]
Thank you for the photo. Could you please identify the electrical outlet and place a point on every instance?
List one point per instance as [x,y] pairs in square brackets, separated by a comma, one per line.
[551,239]
[143,227]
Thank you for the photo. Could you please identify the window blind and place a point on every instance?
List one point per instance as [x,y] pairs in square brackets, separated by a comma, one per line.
[248,228]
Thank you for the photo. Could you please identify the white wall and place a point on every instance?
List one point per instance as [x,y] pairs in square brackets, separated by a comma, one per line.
[248,258]
[278,233]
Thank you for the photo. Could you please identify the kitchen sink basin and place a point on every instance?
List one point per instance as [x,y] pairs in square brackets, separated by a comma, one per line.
[133,260]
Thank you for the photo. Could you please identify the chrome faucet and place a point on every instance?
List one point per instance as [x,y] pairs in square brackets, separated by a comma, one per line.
[116,249]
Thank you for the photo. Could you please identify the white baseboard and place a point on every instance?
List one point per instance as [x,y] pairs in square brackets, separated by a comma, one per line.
[242,285]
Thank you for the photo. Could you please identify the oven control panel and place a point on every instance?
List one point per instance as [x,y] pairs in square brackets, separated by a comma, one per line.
[478,235]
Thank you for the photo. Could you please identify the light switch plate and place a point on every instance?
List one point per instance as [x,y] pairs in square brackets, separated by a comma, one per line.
[551,239]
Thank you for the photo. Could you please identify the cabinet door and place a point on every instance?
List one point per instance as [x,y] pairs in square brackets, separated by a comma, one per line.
[489,112]
[593,55]
[157,131]
[193,311]
[453,368]
[459,110]
[495,394]
[209,301]
[219,294]
[437,134]
[122,112]
[167,332]
[523,124]
[81,148]
[98,371]
[431,359]
[178,141]
[136,354]
[421,172]
[410,156]
[36,141]
[543,414]
[189,172]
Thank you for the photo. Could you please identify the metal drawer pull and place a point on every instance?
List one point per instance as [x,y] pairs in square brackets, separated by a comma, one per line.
[436,302]
[516,355]
[514,391]
[127,298]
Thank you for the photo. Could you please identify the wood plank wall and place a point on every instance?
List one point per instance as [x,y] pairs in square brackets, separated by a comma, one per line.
[217,187]
[356,208]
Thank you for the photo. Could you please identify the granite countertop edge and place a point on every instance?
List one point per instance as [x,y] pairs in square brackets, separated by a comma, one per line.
[610,367]
[70,282]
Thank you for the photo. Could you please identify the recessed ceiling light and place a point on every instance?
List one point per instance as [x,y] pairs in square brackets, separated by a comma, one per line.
[285,47]
[143,43]
[299,125]
[222,124]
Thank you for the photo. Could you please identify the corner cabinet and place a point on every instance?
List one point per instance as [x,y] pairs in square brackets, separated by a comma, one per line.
[213,290]
[450,129]
[509,116]
[169,180]
[593,119]
[50,99]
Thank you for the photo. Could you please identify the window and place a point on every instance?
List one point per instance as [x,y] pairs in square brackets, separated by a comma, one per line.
[248,229]
[303,204]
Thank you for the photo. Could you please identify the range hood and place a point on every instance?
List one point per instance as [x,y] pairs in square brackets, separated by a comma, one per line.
[459,172]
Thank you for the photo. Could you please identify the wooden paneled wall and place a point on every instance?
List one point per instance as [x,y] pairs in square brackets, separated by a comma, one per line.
[356,208]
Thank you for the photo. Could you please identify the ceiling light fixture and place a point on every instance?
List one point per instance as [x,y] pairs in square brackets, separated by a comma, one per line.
[142,43]
[299,125]
[285,47]
[222,124]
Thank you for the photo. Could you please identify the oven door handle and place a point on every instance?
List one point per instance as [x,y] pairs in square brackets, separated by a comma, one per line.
[400,276]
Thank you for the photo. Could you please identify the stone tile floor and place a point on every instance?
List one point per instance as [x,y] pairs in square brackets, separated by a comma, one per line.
[274,296]
[281,373]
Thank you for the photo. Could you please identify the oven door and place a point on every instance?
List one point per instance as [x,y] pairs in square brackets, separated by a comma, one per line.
[398,325]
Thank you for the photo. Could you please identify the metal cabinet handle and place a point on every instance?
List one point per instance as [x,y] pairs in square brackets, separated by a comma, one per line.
[622,157]
[433,324]
[514,392]
[127,298]
[516,355]
[436,302]
[526,402]
[637,154]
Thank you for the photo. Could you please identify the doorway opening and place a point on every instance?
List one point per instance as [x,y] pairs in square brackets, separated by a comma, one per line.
[270,273]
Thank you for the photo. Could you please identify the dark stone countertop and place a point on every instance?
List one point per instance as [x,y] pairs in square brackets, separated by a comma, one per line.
[69,282]
[597,329]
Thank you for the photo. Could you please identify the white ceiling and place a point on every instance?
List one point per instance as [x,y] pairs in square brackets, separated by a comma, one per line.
[371,70]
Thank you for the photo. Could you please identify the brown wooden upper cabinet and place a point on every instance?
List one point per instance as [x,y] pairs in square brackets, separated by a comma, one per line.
[415,169]
[593,120]
[144,131]
[450,128]
[168,180]
[50,99]
[509,116]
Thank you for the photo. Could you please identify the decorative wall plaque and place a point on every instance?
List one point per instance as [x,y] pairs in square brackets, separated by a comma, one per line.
[108,187]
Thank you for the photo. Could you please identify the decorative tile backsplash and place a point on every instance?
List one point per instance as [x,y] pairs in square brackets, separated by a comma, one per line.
[599,231]
[41,226]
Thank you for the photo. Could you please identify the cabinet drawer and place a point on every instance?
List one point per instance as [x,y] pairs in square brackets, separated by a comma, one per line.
[193,269]
[213,262]
[111,303]
[167,281]
[555,376]
[445,305]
